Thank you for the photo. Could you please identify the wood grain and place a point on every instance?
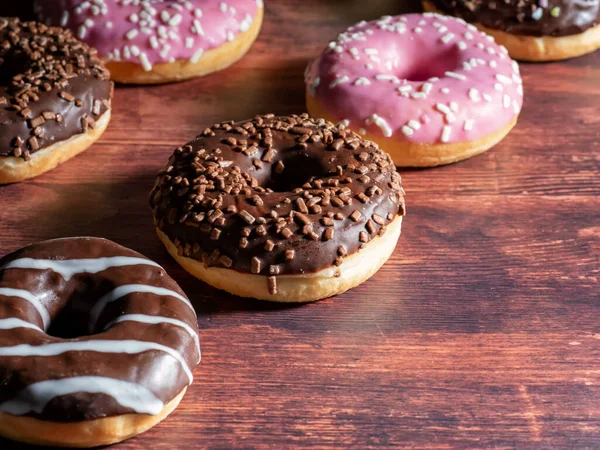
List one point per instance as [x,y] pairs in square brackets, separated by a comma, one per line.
[480,332]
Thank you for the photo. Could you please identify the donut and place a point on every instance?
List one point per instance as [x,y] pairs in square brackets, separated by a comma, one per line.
[286,209]
[429,89]
[160,41]
[55,98]
[97,343]
[532,30]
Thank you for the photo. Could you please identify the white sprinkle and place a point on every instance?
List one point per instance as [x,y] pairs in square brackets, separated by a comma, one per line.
[135,50]
[381,123]
[488,98]
[64,19]
[165,51]
[458,76]
[230,36]
[426,88]
[197,13]
[371,51]
[197,27]
[196,56]
[175,20]
[442,108]
[516,108]
[404,88]
[131,33]
[506,101]
[134,18]
[445,90]
[469,124]
[446,133]
[450,117]
[503,79]
[447,38]
[417,95]
[493,64]
[407,131]
[145,62]
[462,45]
[433,79]
[454,106]
[189,42]
[153,42]
[81,32]
[109,24]
[491,50]
[223,7]
[362,81]
[387,77]
[338,81]
[418,30]
[520,90]
[474,95]
[414,124]
[498,87]
[468,36]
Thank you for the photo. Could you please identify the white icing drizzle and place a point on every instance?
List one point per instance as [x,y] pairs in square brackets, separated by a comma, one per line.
[26,295]
[127,289]
[13,322]
[69,267]
[35,397]
[144,318]
[100,346]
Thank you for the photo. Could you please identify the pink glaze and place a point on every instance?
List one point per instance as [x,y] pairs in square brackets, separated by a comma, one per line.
[423,78]
[147,32]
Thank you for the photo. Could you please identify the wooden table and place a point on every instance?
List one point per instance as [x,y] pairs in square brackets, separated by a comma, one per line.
[481,331]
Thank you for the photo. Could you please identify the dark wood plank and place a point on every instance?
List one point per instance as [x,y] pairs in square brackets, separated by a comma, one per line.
[480,332]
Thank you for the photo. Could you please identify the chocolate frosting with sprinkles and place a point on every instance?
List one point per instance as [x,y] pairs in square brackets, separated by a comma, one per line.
[527,17]
[276,195]
[52,87]
[91,329]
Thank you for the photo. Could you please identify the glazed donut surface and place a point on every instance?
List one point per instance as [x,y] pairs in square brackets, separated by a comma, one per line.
[276,196]
[90,330]
[419,79]
[53,87]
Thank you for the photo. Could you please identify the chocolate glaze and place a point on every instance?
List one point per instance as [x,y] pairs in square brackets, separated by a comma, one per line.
[556,18]
[276,195]
[69,303]
[52,87]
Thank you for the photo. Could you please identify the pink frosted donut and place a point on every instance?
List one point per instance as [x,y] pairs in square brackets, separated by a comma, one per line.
[429,89]
[157,41]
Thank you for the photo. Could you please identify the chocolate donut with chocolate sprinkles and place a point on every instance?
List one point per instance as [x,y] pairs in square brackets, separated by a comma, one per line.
[55,98]
[289,209]
[532,30]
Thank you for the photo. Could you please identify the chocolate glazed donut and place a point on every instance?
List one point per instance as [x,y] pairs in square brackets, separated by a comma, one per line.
[534,30]
[279,208]
[529,17]
[55,98]
[97,343]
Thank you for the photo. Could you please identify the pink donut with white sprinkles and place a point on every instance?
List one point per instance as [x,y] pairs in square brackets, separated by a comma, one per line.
[155,41]
[429,89]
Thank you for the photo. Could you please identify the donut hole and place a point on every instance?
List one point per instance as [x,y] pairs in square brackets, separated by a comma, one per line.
[73,319]
[435,65]
[297,171]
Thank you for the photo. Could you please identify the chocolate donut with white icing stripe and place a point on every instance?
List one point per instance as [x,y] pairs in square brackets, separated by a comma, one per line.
[92,336]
